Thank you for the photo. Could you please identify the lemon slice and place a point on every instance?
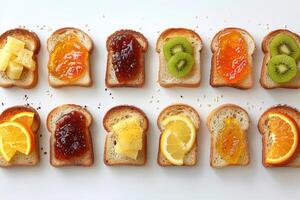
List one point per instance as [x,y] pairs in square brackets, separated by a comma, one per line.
[177,138]
[25,118]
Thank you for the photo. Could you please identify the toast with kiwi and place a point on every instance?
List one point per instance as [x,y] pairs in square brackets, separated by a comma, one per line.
[126,51]
[179,58]
[78,45]
[264,128]
[227,123]
[112,119]
[19,50]
[217,79]
[190,157]
[20,159]
[280,67]
[70,138]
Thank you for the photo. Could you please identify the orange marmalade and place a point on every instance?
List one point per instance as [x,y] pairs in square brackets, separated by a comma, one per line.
[69,59]
[232,57]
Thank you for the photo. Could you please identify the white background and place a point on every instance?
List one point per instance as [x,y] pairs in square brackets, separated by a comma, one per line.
[101,18]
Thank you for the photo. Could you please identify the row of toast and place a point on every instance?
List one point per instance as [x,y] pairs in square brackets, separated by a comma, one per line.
[179,52]
[127,132]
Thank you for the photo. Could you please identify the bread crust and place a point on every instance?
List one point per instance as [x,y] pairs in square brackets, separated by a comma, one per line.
[89,48]
[163,36]
[76,161]
[9,112]
[213,70]
[108,115]
[35,39]
[267,55]
[139,36]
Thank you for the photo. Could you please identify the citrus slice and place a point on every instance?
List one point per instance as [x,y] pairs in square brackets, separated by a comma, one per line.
[14,137]
[282,140]
[25,118]
[178,138]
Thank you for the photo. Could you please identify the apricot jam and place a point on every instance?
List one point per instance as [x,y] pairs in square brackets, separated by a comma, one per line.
[69,59]
[70,136]
[126,57]
[232,57]
[230,141]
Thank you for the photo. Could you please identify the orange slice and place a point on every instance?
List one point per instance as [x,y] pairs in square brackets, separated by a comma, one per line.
[14,137]
[25,118]
[282,140]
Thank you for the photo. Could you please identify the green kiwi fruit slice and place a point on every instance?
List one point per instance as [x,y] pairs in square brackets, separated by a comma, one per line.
[284,44]
[175,45]
[282,68]
[180,64]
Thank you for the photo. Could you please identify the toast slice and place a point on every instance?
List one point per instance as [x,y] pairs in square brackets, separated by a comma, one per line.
[113,116]
[21,159]
[191,157]
[192,79]
[60,34]
[28,78]
[216,80]
[87,159]
[265,80]
[264,131]
[215,123]
[111,79]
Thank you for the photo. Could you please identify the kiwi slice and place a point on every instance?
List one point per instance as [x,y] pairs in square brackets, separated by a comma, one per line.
[180,64]
[175,45]
[283,44]
[282,68]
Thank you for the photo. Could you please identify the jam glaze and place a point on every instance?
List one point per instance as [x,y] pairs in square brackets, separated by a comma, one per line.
[232,57]
[69,59]
[70,136]
[126,57]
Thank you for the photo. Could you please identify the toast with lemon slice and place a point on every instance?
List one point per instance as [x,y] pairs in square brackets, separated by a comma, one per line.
[228,125]
[179,124]
[18,58]
[279,128]
[19,125]
[126,138]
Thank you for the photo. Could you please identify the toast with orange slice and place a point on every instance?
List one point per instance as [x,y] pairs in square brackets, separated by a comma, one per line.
[23,115]
[279,128]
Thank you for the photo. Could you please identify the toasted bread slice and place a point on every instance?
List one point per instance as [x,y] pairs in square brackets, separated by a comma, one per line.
[264,131]
[113,116]
[28,78]
[215,123]
[21,159]
[58,35]
[111,79]
[265,80]
[87,159]
[190,158]
[192,79]
[216,80]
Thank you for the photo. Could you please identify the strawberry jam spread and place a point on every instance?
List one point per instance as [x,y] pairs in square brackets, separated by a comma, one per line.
[70,136]
[232,57]
[126,57]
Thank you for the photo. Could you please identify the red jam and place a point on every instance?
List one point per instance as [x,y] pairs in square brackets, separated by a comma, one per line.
[126,57]
[232,57]
[70,136]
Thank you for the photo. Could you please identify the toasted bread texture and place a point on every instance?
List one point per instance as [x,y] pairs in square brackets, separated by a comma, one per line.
[28,78]
[57,36]
[191,157]
[192,79]
[113,116]
[21,159]
[264,131]
[265,80]
[216,80]
[215,123]
[87,159]
[111,79]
